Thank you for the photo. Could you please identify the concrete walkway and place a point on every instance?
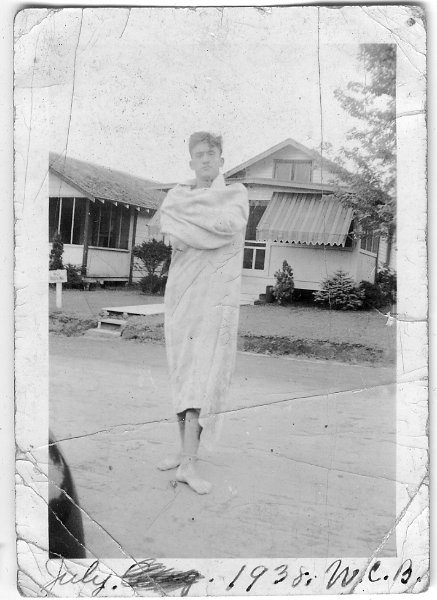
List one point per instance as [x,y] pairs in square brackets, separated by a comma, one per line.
[305,467]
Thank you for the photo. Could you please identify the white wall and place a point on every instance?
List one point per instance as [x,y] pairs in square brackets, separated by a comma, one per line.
[259,192]
[324,176]
[143,233]
[105,262]
[264,168]
[102,262]
[382,255]
[366,267]
[311,265]
[72,254]
[58,188]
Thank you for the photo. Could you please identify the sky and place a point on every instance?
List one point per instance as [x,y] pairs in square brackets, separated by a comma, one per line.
[125,89]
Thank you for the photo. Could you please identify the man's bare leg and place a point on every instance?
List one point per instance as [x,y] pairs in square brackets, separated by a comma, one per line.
[187,470]
[172,462]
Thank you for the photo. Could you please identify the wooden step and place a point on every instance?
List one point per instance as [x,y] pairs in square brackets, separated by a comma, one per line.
[103,333]
[111,324]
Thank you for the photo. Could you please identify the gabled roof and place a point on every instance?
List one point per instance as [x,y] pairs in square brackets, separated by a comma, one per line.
[104,183]
[286,186]
[267,153]
[312,154]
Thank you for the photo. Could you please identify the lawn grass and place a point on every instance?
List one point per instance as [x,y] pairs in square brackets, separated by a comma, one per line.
[297,329]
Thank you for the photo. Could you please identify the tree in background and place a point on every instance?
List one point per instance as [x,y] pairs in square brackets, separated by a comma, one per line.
[370,154]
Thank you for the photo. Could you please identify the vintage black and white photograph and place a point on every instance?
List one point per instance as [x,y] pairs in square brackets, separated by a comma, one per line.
[221,300]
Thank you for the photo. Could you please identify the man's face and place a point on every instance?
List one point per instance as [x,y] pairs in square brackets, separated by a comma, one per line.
[206,161]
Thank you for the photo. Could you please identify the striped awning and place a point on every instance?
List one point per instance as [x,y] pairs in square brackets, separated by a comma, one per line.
[305,219]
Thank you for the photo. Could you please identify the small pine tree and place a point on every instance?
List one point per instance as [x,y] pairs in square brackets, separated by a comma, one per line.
[339,292]
[56,253]
[284,288]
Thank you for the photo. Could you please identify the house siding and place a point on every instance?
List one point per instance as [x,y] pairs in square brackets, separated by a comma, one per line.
[324,176]
[60,189]
[366,267]
[264,168]
[72,254]
[382,254]
[142,234]
[259,193]
[105,262]
[311,265]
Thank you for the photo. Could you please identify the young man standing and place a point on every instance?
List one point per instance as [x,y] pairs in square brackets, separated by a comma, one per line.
[206,222]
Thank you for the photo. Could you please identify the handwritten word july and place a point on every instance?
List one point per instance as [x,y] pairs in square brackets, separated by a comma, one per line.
[146,574]
[65,576]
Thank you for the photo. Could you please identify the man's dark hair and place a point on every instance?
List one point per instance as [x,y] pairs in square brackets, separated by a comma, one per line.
[205,136]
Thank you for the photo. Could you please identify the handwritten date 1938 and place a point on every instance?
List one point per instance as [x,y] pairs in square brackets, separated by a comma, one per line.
[335,574]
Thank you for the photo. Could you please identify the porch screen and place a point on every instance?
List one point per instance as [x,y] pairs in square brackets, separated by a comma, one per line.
[109,225]
[67,217]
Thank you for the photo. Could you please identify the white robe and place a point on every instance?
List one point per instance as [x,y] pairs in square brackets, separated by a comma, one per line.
[202,297]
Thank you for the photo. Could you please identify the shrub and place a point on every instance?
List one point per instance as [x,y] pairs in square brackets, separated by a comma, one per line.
[370,295]
[387,281]
[284,288]
[55,261]
[74,276]
[154,253]
[380,294]
[150,284]
[339,292]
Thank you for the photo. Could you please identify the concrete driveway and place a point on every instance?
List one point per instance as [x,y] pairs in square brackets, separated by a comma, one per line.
[305,465]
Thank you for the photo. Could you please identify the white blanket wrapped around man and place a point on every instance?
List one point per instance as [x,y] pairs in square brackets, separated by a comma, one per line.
[206,227]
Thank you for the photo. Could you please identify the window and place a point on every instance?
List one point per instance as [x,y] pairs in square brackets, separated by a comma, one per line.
[66,221]
[370,243]
[260,257]
[255,214]
[54,211]
[254,256]
[248,258]
[67,217]
[293,170]
[109,224]
[79,222]
[350,236]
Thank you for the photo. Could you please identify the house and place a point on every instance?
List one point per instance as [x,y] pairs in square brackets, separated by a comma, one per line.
[101,214]
[294,216]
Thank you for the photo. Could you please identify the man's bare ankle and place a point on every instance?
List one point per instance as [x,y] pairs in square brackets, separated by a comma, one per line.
[187,459]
